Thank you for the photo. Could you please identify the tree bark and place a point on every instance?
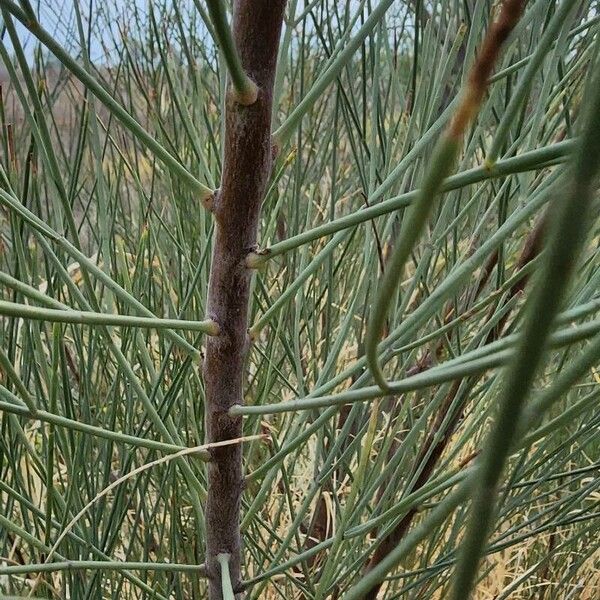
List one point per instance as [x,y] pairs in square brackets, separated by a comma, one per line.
[435,449]
[247,162]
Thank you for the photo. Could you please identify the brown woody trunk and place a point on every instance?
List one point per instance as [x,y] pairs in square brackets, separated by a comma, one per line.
[236,208]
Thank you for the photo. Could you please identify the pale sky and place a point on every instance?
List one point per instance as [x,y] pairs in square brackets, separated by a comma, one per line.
[58,17]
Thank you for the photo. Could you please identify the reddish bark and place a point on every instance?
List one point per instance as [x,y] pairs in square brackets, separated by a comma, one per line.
[236,206]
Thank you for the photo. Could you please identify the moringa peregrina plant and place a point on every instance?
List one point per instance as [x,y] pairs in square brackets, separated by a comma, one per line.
[299,299]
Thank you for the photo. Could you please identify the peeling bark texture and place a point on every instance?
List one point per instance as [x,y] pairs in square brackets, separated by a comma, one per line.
[247,162]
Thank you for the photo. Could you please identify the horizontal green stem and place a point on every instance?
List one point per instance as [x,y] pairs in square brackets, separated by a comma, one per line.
[435,376]
[101,565]
[517,164]
[484,358]
[25,311]
[86,264]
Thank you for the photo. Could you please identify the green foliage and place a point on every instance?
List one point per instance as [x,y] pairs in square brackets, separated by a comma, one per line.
[105,167]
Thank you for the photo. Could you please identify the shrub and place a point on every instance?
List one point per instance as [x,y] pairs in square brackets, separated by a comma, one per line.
[301,301]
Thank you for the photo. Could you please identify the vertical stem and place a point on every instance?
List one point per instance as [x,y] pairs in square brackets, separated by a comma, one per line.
[236,207]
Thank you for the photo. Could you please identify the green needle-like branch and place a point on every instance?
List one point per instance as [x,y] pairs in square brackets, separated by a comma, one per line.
[26,311]
[101,565]
[527,161]
[245,90]
[493,355]
[570,222]
[440,166]
[14,406]
[226,586]
[86,263]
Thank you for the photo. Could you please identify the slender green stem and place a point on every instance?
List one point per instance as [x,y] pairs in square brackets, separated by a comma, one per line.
[478,361]
[13,405]
[246,90]
[569,226]
[26,311]
[528,161]
[86,264]
[101,565]
[227,588]
[95,228]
